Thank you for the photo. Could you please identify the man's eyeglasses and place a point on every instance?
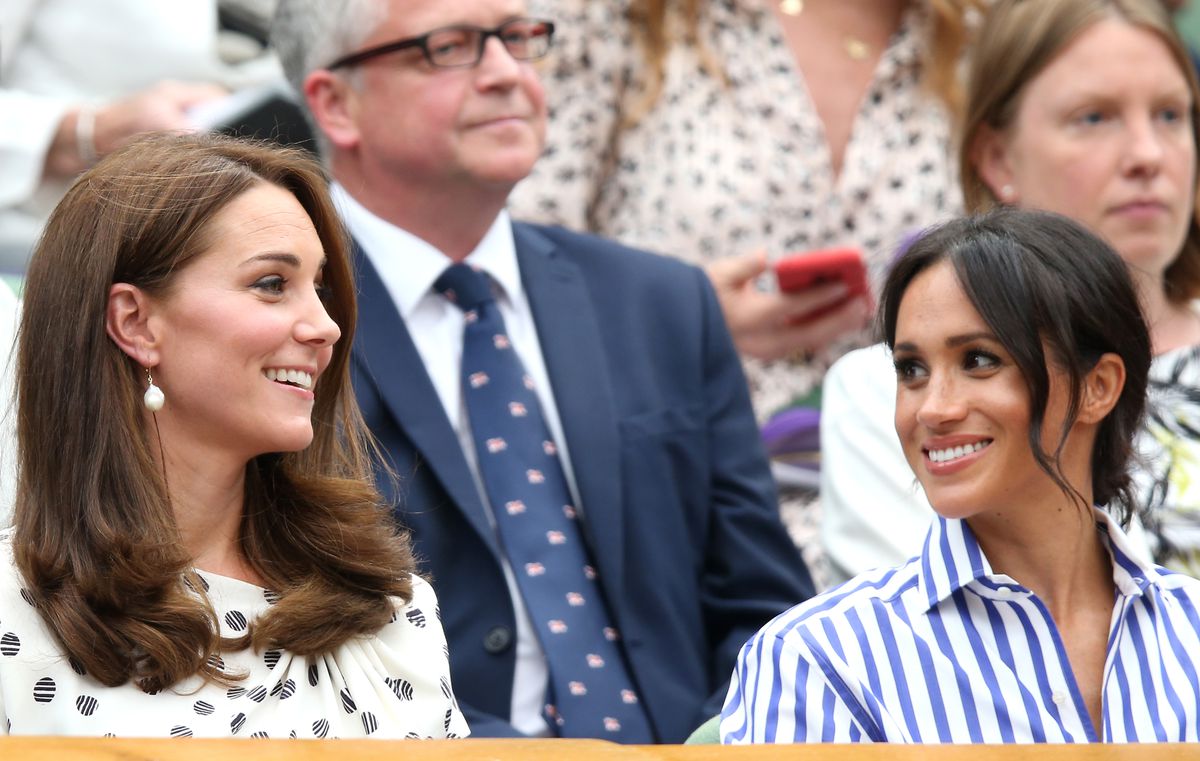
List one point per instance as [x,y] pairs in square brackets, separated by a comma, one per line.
[461,46]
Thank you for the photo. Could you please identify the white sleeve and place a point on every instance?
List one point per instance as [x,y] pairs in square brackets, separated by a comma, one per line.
[27,121]
[874,512]
[27,127]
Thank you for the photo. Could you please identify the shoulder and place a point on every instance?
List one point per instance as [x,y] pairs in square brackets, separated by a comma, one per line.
[868,369]
[869,358]
[606,263]
[1178,366]
[820,622]
[418,616]
[10,578]
[25,638]
[1181,586]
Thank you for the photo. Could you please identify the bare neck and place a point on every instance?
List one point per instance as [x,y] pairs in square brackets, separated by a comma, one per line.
[208,499]
[1055,551]
[1172,325]
[452,219]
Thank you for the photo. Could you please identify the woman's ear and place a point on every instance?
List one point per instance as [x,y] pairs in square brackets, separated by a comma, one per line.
[989,155]
[1102,388]
[128,323]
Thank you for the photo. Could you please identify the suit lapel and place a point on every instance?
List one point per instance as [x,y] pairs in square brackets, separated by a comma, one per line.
[385,348]
[572,348]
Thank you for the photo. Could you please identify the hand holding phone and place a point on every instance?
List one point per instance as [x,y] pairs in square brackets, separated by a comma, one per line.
[808,269]
[770,325]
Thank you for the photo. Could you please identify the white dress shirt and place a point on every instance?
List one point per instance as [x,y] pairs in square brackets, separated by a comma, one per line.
[408,267]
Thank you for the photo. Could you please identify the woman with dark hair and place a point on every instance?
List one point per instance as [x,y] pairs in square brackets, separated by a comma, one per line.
[1026,617]
[197,549]
[1086,108]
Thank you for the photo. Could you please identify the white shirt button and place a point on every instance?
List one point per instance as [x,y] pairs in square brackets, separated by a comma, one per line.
[1004,593]
[1059,698]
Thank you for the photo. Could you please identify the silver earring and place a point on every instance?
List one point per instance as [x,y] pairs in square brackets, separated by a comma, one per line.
[154,397]
[1006,193]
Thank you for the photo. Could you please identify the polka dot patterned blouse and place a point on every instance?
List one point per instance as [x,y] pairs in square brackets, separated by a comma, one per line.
[395,684]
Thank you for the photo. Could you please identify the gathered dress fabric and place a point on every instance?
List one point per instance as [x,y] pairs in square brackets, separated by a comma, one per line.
[393,684]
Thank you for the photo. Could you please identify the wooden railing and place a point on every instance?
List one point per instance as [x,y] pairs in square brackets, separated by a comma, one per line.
[87,749]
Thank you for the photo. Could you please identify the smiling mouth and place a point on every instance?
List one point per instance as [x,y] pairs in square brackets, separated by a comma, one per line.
[297,378]
[950,454]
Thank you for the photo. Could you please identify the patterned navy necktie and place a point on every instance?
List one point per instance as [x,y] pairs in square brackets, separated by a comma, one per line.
[589,693]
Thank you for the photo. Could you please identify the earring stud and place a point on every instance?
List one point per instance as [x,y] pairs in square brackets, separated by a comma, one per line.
[154,397]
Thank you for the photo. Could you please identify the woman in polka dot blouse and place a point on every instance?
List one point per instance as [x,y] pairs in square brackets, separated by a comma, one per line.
[196,549]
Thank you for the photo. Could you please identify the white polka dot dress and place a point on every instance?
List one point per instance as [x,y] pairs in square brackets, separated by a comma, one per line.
[395,684]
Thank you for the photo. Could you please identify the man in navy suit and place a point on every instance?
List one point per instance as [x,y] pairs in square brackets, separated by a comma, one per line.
[431,111]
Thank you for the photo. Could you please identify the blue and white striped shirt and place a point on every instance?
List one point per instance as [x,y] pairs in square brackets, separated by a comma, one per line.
[943,650]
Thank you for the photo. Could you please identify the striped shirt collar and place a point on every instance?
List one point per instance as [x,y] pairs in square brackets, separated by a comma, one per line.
[952,559]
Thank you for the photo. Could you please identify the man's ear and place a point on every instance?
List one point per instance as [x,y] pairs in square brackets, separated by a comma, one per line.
[989,156]
[333,104]
[1102,388]
[129,324]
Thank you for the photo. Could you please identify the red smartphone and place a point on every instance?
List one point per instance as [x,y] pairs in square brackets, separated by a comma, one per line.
[806,269]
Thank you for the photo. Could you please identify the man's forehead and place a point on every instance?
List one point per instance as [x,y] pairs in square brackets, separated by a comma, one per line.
[413,17]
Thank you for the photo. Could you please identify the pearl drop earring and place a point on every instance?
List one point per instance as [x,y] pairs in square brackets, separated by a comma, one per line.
[1006,193]
[154,397]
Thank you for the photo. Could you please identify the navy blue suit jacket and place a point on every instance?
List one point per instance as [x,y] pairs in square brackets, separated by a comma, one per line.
[677,499]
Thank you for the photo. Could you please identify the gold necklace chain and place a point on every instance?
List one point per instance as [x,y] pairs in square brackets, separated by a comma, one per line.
[855,47]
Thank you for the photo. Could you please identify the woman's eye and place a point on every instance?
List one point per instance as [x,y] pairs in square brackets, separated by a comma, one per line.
[908,370]
[1090,118]
[980,360]
[324,292]
[1172,115]
[270,284]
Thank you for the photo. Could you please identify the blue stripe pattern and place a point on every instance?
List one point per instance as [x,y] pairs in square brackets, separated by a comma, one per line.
[942,649]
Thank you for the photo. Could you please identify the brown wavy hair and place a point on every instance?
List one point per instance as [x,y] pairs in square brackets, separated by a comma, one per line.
[946,37]
[95,536]
[1017,41]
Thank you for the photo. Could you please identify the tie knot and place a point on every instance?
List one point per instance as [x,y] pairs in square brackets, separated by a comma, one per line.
[464,286]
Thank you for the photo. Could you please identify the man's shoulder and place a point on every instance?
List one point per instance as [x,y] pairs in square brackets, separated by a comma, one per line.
[593,251]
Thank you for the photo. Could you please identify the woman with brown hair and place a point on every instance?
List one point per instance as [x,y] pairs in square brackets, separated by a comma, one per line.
[197,549]
[731,134]
[1087,108]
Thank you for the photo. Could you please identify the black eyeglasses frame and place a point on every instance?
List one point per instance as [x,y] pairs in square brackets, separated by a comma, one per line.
[422,42]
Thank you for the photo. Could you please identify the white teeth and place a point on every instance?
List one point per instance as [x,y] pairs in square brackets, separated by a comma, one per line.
[953,453]
[294,377]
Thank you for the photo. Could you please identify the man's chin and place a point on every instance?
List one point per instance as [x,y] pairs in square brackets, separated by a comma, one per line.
[506,172]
